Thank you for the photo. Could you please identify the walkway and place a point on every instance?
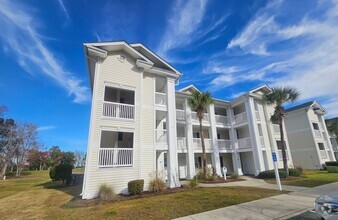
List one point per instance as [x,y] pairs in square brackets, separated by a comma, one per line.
[277,207]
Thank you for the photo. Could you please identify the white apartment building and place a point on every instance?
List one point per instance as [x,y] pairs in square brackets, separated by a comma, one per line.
[308,136]
[139,124]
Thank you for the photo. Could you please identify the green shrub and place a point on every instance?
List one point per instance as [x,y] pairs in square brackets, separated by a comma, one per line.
[323,167]
[331,163]
[234,176]
[332,169]
[193,183]
[157,185]
[106,192]
[52,174]
[269,174]
[199,175]
[64,172]
[294,172]
[135,187]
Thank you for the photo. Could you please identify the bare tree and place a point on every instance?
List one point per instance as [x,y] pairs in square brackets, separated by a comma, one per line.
[26,139]
[7,142]
[80,158]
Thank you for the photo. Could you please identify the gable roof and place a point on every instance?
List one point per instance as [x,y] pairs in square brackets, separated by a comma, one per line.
[145,58]
[307,105]
[189,89]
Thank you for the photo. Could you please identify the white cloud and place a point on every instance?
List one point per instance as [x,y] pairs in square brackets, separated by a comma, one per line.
[64,9]
[185,20]
[46,128]
[307,60]
[20,33]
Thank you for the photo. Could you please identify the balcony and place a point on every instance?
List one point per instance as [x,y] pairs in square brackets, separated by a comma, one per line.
[118,110]
[323,154]
[160,99]
[244,143]
[276,129]
[161,136]
[181,143]
[115,157]
[240,118]
[180,115]
[280,154]
[197,144]
[224,144]
[257,115]
[195,119]
[221,120]
[317,134]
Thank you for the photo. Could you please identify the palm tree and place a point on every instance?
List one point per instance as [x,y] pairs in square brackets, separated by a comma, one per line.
[278,97]
[199,102]
[332,126]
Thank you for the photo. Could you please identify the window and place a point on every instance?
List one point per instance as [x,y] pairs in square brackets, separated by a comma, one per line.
[315,126]
[165,160]
[196,135]
[198,165]
[112,94]
[120,136]
[221,161]
[164,126]
[279,145]
[321,146]
[114,139]
[218,136]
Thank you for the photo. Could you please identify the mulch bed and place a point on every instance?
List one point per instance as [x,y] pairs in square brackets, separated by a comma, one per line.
[221,180]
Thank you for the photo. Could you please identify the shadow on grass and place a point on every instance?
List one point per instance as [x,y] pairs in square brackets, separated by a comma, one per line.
[73,190]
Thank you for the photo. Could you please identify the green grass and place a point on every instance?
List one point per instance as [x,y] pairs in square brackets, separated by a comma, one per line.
[310,178]
[35,197]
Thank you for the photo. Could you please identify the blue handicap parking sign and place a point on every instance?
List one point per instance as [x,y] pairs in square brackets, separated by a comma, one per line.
[274,156]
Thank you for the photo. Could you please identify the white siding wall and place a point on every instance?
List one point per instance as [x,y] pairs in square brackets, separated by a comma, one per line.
[114,72]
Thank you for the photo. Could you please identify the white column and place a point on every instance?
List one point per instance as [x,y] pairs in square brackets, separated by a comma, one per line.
[215,155]
[173,178]
[272,141]
[327,137]
[189,136]
[236,160]
[254,135]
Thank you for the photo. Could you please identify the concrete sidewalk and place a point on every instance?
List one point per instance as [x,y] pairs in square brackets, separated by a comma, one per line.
[277,207]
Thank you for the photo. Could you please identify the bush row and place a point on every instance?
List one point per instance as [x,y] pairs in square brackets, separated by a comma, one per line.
[269,174]
[331,163]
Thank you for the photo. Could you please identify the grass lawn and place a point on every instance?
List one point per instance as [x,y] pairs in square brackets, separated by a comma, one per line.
[310,178]
[35,197]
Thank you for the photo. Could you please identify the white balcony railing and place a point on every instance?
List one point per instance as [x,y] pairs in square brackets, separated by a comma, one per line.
[276,128]
[280,154]
[221,120]
[262,141]
[160,98]
[317,134]
[118,110]
[257,116]
[244,142]
[323,154]
[195,118]
[241,117]
[181,143]
[180,115]
[224,144]
[115,157]
[161,136]
[198,144]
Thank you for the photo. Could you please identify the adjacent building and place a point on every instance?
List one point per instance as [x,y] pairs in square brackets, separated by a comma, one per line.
[140,125]
[308,136]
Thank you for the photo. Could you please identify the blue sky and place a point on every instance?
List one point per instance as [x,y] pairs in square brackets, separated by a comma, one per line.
[226,47]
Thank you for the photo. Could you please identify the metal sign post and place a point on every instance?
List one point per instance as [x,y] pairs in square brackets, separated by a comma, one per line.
[274,157]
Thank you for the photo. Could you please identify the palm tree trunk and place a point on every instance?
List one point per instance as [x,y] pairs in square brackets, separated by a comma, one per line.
[204,155]
[285,162]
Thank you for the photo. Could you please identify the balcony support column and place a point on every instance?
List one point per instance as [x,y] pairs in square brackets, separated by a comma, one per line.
[214,142]
[173,177]
[236,160]
[254,135]
[189,137]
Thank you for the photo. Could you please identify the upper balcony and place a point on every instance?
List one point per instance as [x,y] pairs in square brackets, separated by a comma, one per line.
[119,103]
[195,119]
[221,117]
[240,115]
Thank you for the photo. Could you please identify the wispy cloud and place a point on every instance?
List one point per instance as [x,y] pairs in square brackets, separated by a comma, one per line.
[46,128]
[20,32]
[64,9]
[302,53]
[185,20]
